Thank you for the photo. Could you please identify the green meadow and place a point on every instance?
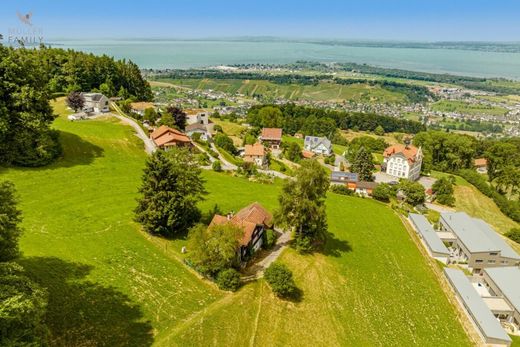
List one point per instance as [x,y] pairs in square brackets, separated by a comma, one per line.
[111,284]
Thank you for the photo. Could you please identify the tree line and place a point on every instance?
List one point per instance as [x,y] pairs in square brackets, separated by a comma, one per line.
[320,122]
[31,77]
[455,153]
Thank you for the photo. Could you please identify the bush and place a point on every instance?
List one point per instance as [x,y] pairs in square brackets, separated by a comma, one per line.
[383,192]
[228,279]
[514,234]
[339,189]
[203,159]
[269,239]
[280,278]
[331,160]
[216,166]
[225,142]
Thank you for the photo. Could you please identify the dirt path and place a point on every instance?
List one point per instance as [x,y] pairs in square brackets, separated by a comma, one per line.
[281,244]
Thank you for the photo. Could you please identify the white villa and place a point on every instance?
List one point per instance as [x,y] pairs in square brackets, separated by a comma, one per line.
[318,145]
[403,161]
[95,103]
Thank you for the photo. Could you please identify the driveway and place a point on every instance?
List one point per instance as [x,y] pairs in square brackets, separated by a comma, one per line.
[149,145]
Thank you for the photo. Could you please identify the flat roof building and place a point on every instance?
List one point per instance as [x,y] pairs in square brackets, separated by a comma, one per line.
[429,237]
[504,282]
[488,326]
[476,243]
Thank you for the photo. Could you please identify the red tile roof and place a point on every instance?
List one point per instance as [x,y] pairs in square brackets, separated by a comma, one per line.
[271,134]
[410,152]
[254,150]
[166,136]
[247,218]
[480,162]
[307,154]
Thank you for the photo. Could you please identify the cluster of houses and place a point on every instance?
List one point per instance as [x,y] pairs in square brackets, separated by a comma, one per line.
[490,295]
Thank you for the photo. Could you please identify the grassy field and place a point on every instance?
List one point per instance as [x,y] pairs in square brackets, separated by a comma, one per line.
[321,92]
[112,285]
[472,201]
[467,108]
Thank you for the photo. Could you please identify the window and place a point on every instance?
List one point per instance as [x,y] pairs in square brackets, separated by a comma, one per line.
[479,261]
[490,261]
[493,253]
[504,262]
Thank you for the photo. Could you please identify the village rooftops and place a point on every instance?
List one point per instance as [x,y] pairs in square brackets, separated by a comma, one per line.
[366,185]
[507,279]
[476,307]
[314,141]
[476,234]
[248,219]
[273,134]
[408,151]
[254,150]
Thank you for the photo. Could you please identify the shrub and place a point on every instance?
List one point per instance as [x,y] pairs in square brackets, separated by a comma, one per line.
[339,189]
[269,239]
[228,279]
[203,159]
[216,166]
[514,234]
[280,278]
[383,192]
[225,142]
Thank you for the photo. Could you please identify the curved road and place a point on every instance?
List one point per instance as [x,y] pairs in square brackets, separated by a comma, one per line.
[149,145]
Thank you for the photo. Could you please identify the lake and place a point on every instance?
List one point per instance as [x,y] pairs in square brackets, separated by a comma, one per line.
[187,54]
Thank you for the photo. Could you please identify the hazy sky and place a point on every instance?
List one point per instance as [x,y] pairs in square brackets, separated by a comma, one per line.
[476,20]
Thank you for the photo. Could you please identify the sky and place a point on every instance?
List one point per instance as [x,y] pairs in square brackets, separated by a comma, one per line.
[404,20]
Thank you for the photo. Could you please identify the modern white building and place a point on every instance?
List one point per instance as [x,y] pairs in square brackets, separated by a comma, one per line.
[474,243]
[403,161]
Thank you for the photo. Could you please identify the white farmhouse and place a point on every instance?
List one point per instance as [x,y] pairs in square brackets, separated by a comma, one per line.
[403,161]
[95,103]
[318,145]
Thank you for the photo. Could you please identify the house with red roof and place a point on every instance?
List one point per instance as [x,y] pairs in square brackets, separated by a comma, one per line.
[255,154]
[403,161]
[271,137]
[165,137]
[254,220]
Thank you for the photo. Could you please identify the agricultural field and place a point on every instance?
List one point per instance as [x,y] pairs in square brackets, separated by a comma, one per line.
[111,284]
[467,108]
[322,92]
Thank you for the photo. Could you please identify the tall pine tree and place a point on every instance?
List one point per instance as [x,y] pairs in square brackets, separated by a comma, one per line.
[172,187]
[363,165]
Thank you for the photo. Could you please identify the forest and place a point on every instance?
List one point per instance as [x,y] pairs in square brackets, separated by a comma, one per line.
[32,77]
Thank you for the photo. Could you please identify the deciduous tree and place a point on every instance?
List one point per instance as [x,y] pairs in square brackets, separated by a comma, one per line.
[302,205]
[75,101]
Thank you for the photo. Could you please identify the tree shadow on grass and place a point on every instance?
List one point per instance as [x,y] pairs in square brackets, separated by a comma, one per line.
[335,247]
[83,313]
[76,151]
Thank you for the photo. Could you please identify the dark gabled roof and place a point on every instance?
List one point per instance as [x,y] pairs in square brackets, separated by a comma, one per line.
[340,176]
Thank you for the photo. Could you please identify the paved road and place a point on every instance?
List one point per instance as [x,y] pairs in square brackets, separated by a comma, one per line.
[149,146]
[226,165]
